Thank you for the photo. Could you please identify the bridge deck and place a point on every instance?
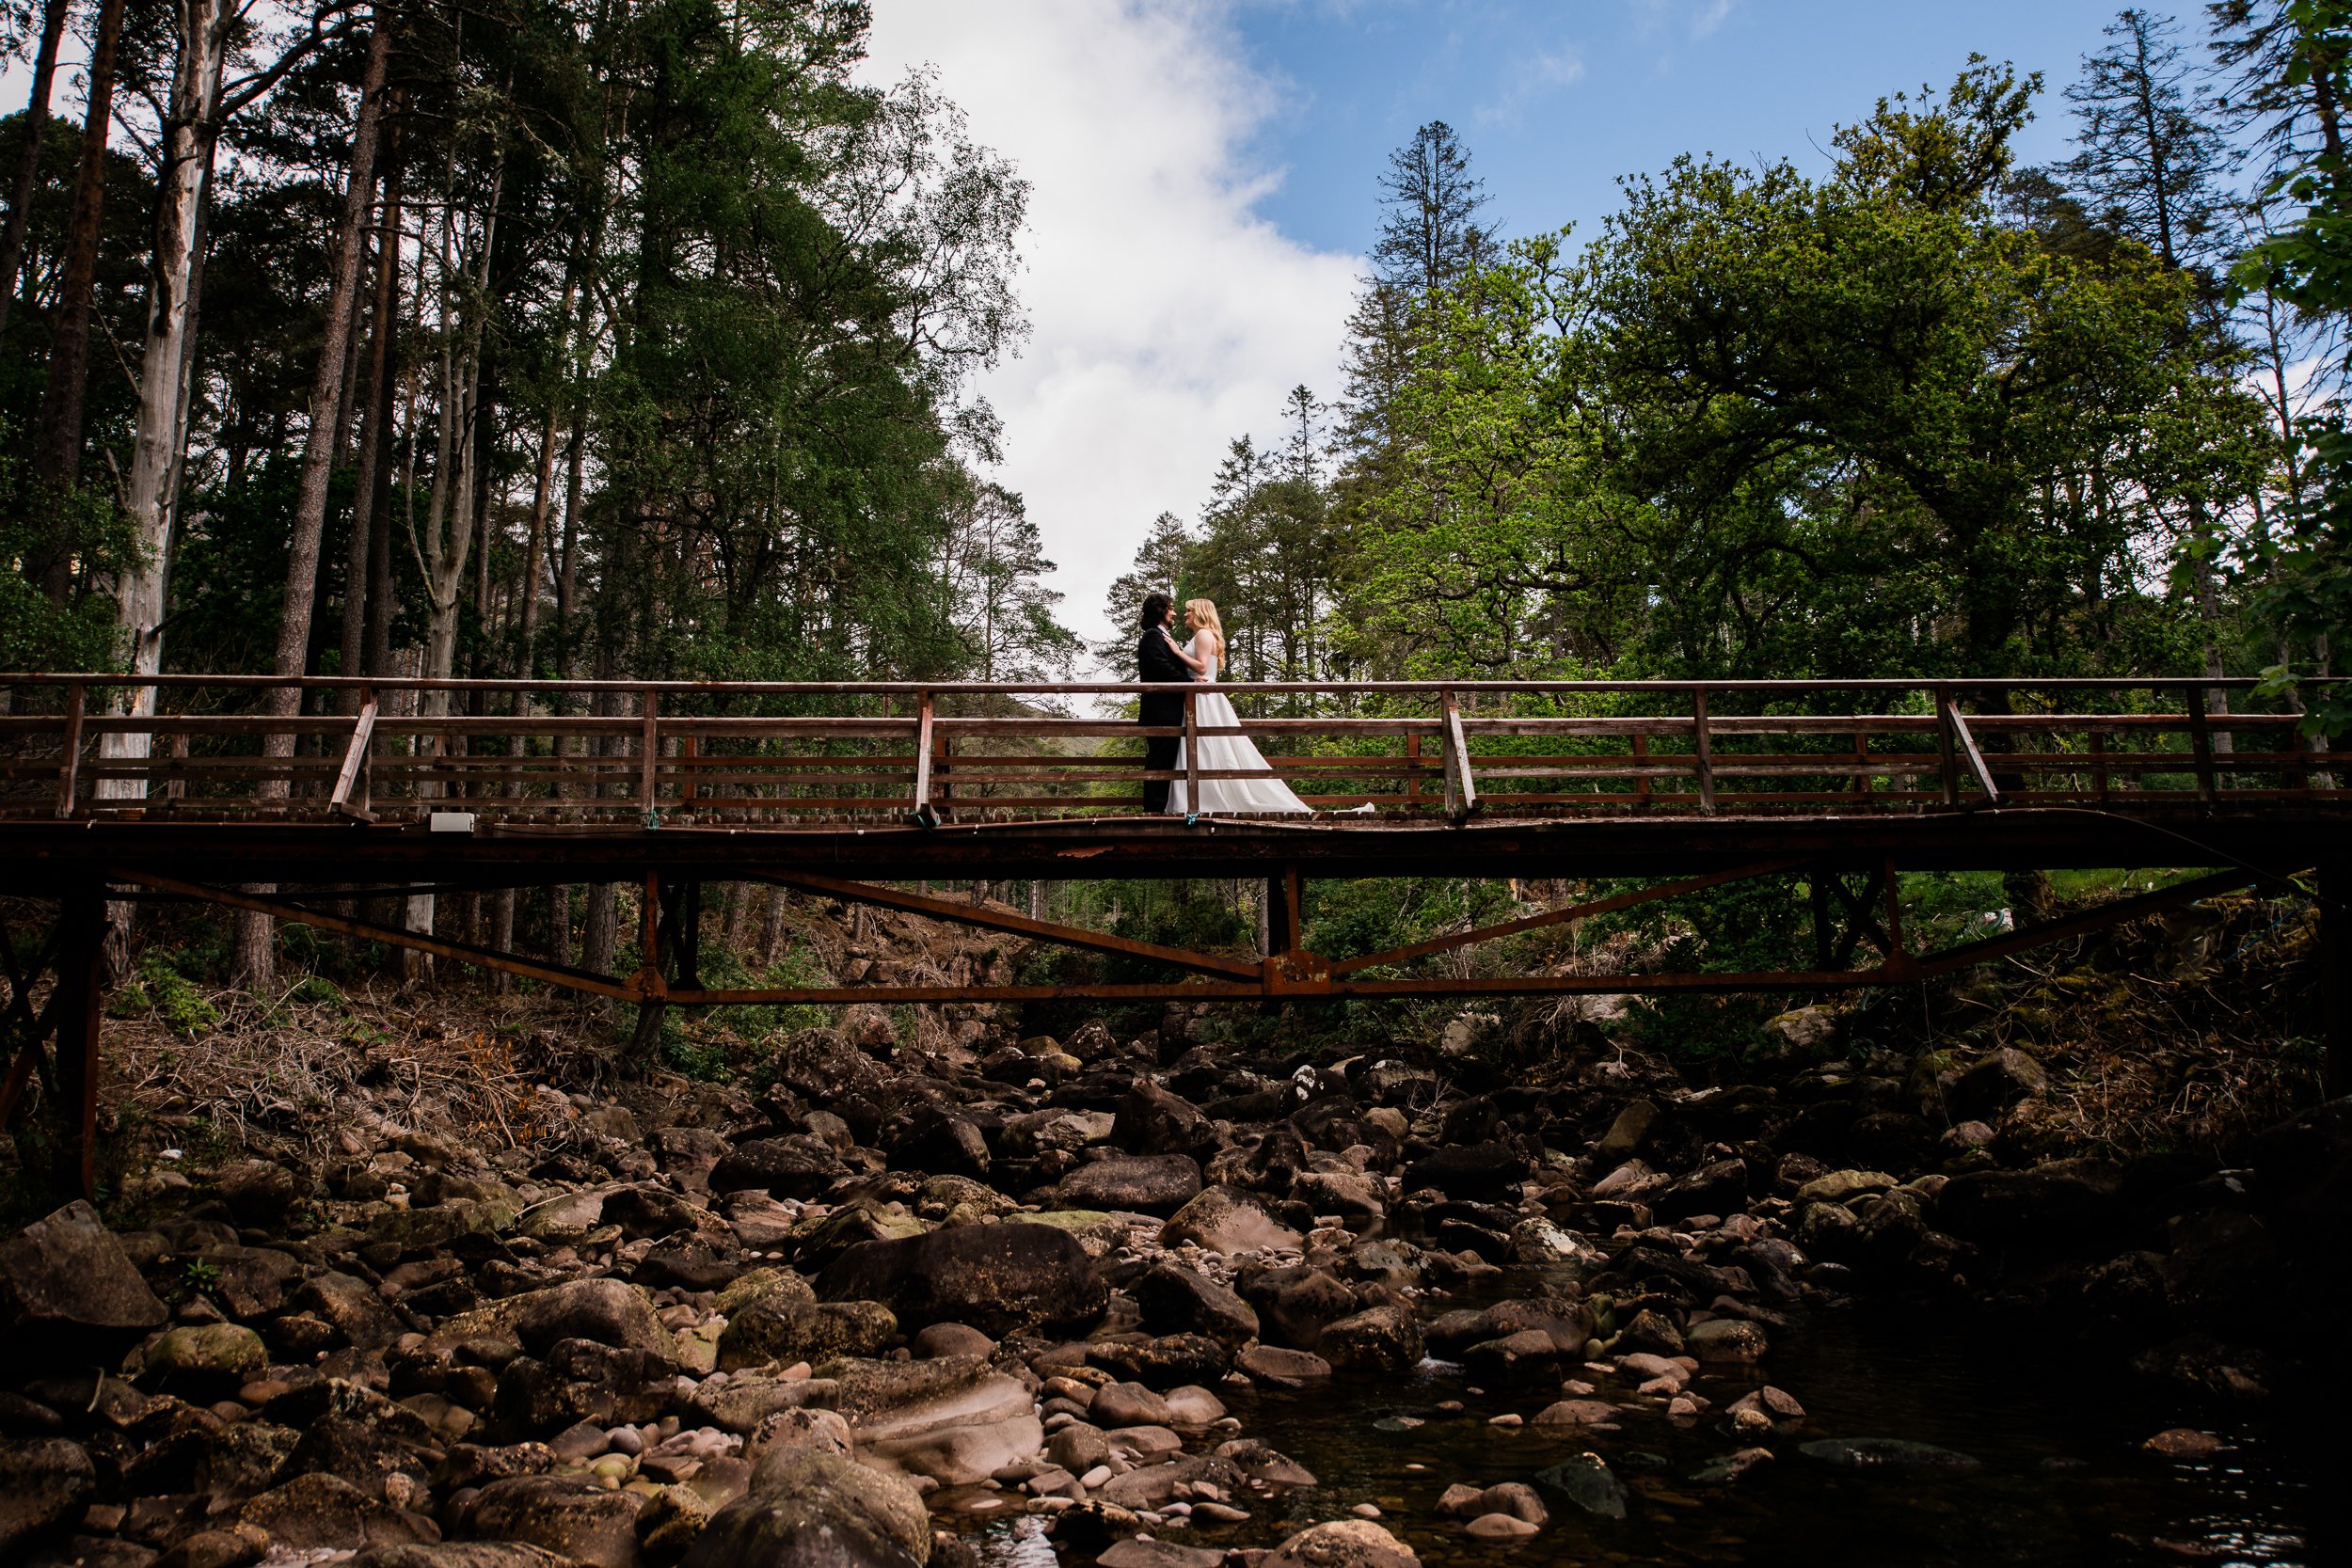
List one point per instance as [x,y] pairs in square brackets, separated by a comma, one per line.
[210,787]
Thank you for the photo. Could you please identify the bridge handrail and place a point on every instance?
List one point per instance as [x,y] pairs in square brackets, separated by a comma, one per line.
[915,688]
[115,749]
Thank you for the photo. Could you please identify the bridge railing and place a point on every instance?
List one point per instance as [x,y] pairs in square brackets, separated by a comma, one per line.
[655,754]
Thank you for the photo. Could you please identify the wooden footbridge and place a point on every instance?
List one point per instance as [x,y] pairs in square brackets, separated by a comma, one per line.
[302,799]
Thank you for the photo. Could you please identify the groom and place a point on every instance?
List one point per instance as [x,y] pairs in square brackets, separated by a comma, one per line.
[1155,660]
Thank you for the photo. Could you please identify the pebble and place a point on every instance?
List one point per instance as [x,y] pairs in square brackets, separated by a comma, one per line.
[1365,1511]
[1499,1527]
[2184,1443]
[1509,1418]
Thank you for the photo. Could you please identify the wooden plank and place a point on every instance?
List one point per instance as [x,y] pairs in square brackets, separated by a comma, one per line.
[1192,752]
[2201,742]
[1956,730]
[926,722]
[70,763]
[648,751]
[1947,766]
[1461,796]
[352,775]
[1702,750]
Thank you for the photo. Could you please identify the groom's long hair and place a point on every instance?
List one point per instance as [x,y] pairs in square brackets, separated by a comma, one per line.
[1155,607]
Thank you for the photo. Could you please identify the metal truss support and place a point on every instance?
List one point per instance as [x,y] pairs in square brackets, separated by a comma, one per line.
[1291,972]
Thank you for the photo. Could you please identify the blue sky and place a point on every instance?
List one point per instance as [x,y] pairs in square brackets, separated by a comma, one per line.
[1555,101]
[1203,181]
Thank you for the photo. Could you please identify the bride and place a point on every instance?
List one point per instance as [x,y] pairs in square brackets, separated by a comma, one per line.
[1205,655]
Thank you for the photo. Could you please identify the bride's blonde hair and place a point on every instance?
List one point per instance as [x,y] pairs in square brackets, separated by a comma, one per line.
[1203,613]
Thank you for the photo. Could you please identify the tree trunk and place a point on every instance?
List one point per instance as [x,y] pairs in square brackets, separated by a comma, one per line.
[441,556]
[28,162]
[318,457]
[57,457]
[369,509]
[559,924]
[739,917]
[771,947]
[191,128]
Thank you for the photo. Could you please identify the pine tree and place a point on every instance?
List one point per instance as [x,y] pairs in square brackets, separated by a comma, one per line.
[1429,230]
[2149,150]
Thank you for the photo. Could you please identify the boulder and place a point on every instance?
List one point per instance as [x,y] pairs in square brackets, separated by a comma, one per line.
[1586,1482]
[2050,1208]
[571,1515]
[1152,1120]
[1733,1339]
[1303,1304]
[207,1353]
[799,1166]
[321,1512]
[250,1282]
[1626,1136]
[817,1510]
[1272,1367]
[1380,1339]
[1471,1171]
[1994,1082]
[1127,1404]
[460,1554]
[258,1192]
[1720,1188]
[68,1271]
[1225,1220]
[1357,1197]
[608,1311]
[351,1306]
[1177,1300]
[1537,1241]
[1342,1543]
[821,1066]
[1144,1183]
[1164,1361]
[998,1278]
[44,1483]
[772,1331]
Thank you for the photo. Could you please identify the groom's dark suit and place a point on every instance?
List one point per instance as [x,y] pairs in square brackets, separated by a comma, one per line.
[1156,661]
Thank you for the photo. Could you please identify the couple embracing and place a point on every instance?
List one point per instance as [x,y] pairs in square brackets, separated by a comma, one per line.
[1159,658]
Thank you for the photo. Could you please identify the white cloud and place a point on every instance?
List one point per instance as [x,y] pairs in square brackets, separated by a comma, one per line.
[1167,317]
[1531,78]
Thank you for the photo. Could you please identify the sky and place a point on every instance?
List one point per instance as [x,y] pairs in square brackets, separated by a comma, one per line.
[1204,181]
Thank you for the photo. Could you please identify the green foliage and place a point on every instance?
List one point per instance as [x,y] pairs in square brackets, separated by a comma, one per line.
[161,986]
[724,1044]
[78,541]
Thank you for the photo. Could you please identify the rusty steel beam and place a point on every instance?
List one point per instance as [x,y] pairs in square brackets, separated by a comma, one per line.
[2083,923]
[1560,916]
[532,969]
[994,920]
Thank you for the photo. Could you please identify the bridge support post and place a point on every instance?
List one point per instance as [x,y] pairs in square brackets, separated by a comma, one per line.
[81,982]
[1281,912]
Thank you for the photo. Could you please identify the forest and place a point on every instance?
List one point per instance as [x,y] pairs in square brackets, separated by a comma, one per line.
[817,1223]
[560,341]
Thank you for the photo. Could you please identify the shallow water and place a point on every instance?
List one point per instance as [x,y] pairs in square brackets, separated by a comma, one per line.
[2062,1478]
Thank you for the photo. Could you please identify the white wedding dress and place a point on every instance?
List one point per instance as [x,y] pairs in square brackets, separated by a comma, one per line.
[1224,797]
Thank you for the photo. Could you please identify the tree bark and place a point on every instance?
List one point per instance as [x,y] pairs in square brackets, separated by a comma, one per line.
[369,509]
[318,457]
[28,160]
[58,458]
[190,132]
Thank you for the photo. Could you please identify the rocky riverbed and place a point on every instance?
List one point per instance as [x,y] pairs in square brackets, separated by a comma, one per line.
[1134,1301]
